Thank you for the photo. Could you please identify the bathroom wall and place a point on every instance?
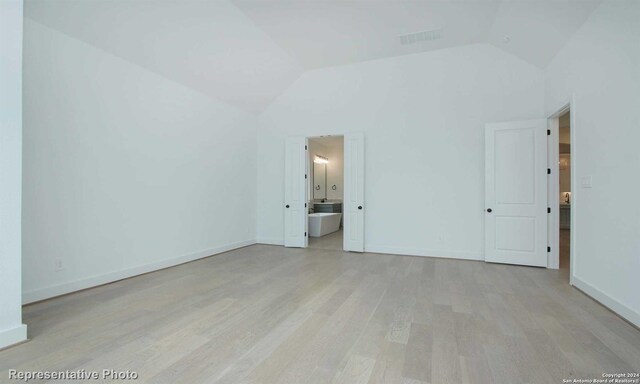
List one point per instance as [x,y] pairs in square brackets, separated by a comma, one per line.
[564,139]
[565,176]
[315,148]
[333,149]
[335,170]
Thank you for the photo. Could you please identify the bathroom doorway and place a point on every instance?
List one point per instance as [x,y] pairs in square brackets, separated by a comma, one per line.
[564,189]
[326,192]
[347,196]
[561,191]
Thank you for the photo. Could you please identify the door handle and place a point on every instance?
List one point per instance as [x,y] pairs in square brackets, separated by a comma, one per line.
[359,206]
[286,206]
[489,210]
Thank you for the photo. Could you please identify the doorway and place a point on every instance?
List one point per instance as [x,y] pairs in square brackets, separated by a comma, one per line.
[298,196]
[326,192]
[529,219]
[564,190]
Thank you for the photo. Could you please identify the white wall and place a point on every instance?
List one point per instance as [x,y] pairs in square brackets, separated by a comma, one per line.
[11,328]
[423,118]
[124,170]
[600,69]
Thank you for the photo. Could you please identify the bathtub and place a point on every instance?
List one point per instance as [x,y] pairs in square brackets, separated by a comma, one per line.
[321,224]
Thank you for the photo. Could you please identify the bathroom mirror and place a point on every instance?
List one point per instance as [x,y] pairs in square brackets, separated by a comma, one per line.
[319,181]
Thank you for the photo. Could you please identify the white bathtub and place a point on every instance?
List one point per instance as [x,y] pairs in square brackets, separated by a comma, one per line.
[321,224]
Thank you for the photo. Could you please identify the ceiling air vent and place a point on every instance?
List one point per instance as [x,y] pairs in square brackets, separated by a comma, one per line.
[417,37]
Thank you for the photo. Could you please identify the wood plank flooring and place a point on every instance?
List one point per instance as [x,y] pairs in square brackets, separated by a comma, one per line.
[330,242]
[565,248]
[266,314]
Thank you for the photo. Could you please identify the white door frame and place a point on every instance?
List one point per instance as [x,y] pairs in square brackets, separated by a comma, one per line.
[295,192]
[553,188]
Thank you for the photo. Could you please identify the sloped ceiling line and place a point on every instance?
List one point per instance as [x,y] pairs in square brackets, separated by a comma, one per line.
[209,46]
[135,64]
[248,52]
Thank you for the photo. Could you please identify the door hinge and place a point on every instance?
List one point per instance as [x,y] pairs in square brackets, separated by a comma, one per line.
[548,171]
[548,132]
[305,175]
[305,147]
[548,209]
[548,249]
[305,205]
[305,234]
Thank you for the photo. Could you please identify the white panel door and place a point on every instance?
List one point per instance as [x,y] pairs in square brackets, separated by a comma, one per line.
[516,192]
[354,192]
[295,192]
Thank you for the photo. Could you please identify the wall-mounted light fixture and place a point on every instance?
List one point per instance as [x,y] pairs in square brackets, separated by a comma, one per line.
[321,160]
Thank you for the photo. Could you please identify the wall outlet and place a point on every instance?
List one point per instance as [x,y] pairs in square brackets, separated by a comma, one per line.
[58,265]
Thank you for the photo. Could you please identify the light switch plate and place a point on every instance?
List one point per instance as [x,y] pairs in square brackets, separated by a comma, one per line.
[586,181]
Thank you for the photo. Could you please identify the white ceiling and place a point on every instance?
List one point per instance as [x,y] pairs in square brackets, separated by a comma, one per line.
[209,46]
[327,33]
[247,52]
[538,29]
[328,141]
[564,121]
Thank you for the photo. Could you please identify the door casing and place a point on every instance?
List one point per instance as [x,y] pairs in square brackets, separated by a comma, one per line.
[553,186]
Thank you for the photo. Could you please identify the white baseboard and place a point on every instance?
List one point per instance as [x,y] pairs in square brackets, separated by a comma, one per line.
[76,285]
[270,240]
[13,336]
[622,310]
[423,252]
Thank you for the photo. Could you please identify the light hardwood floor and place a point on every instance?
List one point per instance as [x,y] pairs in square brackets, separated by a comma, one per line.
[266,314]
[330,242]
[565,248]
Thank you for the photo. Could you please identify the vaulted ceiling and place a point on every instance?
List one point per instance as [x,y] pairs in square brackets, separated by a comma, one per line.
[210,46]
[247,52]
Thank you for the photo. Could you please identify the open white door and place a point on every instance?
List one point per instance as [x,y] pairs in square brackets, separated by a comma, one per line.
[354,192]
[295,192]
[516,192]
